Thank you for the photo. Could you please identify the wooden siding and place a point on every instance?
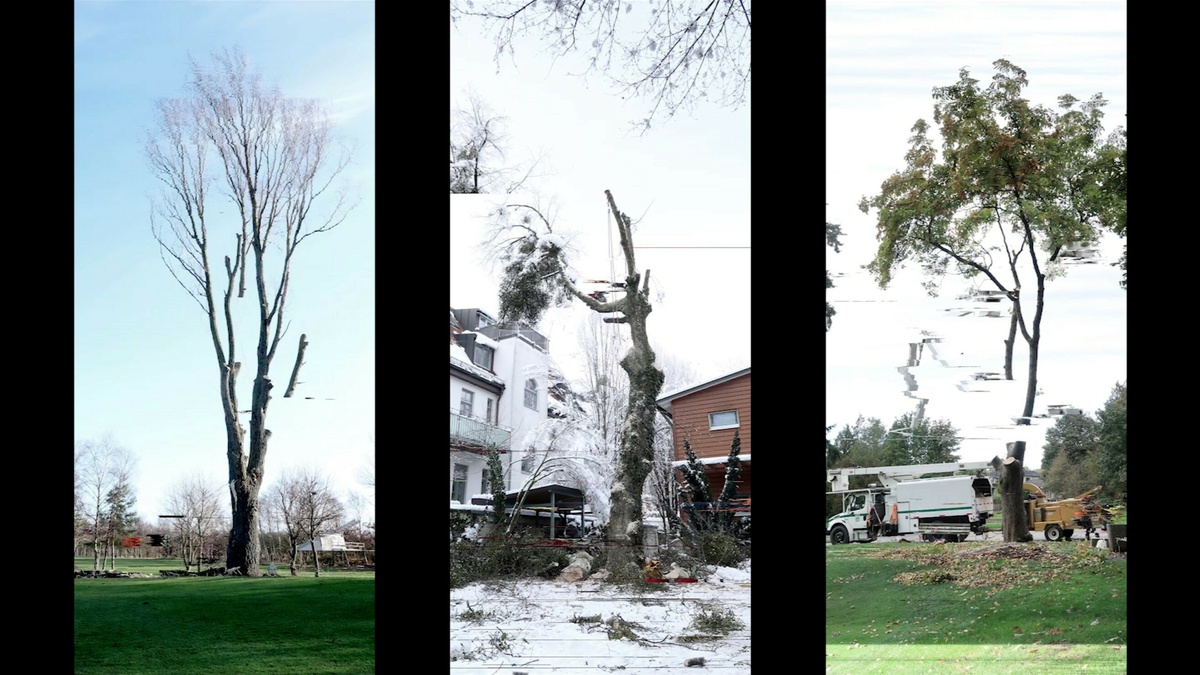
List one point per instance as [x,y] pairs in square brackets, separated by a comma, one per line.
[691,419]
[716,479]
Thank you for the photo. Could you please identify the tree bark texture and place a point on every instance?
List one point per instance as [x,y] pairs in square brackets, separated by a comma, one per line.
[636,457]
[1011,477]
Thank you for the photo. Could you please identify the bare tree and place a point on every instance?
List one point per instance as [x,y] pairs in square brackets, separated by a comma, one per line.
[198,503]
[305,502]
[673,53]
[479,141]
[270,156]
[537,275]
[98,468]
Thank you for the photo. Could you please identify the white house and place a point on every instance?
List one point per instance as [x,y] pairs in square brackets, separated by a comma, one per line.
[499,385]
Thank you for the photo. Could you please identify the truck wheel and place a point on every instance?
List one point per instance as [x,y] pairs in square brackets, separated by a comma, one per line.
[839,535]
[1053,533]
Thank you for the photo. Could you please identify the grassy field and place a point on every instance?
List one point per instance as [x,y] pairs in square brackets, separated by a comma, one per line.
[224,624]
[978,608]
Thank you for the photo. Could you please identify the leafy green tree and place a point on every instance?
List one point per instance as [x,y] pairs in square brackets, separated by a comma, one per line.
[495,476]
[1073,436]
[1113,459]
[861,444]
[1013,184]
[922,442]
[832,452]
[1066,477]
[695,480]
[832,234]
[119,515]
[733,474]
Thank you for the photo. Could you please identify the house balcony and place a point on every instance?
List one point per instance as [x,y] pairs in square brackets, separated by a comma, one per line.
[468,434]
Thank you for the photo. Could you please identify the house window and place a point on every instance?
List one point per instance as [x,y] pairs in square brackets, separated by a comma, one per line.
[491,414]
[483,356]
[527,462]
[458,485]
[727,419]
[531,393]
[466,404]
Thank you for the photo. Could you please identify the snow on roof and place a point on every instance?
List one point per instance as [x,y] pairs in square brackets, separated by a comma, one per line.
[665,399]
[458,357]
[711,460]
[482,339]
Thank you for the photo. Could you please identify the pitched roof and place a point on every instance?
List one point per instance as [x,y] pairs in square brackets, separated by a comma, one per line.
[664,401]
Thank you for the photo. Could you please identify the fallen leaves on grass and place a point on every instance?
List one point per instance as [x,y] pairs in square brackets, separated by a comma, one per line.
[992,567]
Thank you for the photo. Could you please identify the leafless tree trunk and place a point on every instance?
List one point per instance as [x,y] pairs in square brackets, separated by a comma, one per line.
[272,163]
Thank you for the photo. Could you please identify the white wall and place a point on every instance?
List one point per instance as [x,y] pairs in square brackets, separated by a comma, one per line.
[516,362]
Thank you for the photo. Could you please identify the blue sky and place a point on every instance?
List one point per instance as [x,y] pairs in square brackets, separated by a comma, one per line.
[883,60]
[145,369]
[688,180]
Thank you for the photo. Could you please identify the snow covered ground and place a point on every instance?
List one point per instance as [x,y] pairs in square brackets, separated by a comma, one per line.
[558,627]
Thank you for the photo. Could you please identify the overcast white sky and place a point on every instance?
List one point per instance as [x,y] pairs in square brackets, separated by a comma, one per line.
[883,60]
[687,179]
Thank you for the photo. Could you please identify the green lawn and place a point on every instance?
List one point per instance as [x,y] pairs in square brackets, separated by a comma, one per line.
[280,625]
[974,608]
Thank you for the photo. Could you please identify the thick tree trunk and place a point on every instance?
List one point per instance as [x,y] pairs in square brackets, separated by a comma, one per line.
[636,457]
[1011,477]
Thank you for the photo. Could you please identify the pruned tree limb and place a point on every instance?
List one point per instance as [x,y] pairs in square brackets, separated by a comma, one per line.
[296,369]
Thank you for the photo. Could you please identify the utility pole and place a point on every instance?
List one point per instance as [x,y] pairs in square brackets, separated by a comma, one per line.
[312,528]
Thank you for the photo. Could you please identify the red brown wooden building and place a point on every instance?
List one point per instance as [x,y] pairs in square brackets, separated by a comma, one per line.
[707,415]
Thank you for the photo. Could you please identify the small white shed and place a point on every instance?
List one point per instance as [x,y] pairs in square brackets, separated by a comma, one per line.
[325,542]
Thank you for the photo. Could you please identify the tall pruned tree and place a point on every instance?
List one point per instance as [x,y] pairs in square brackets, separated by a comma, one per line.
[271,158]
[674,54]
[537,276]
[1012,186]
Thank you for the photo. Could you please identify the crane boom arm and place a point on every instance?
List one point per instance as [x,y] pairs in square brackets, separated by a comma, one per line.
[889,475]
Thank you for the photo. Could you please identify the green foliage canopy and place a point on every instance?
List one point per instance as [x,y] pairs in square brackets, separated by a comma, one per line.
[832,239]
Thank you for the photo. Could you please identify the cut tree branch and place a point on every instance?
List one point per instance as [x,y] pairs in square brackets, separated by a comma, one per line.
[296,369]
